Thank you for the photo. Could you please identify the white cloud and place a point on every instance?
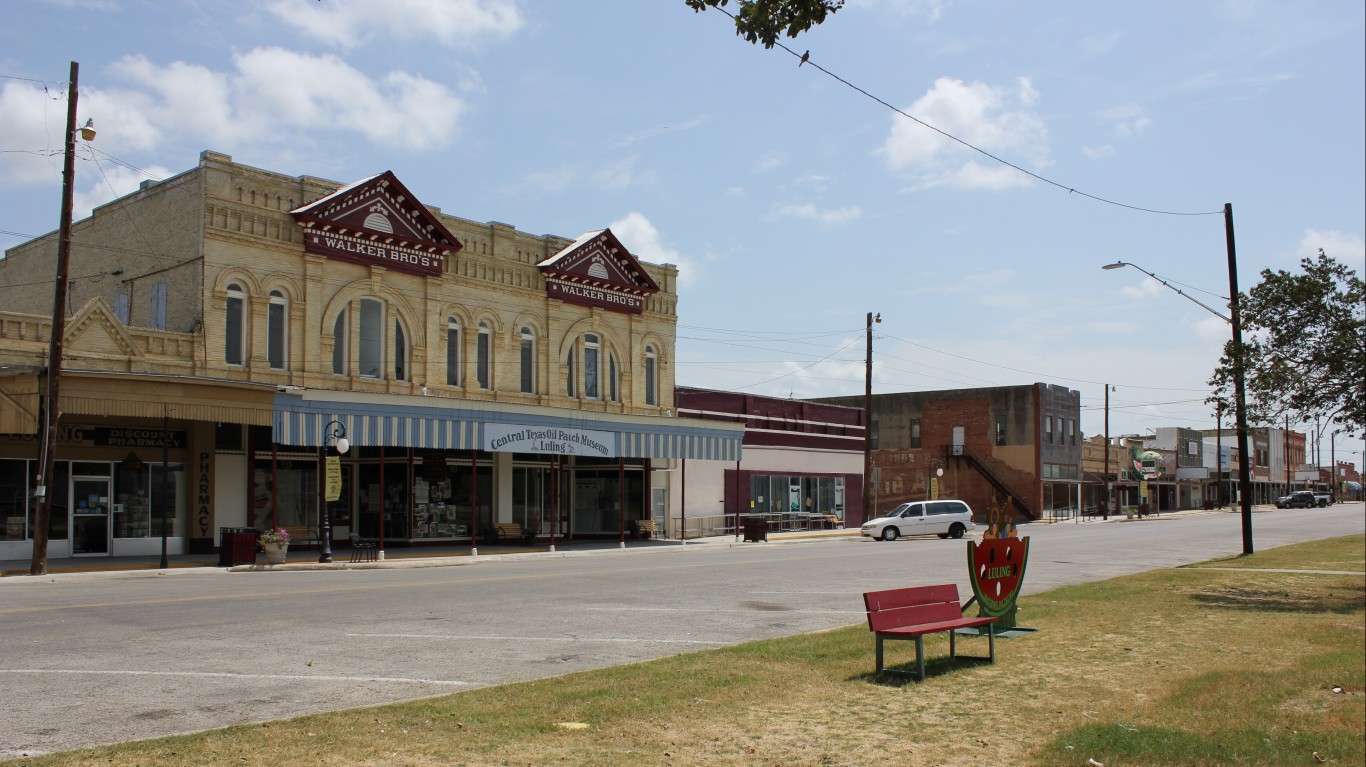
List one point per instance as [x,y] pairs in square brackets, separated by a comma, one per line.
[613,175]
[770,162]
[1098,152]
[1345,248]
[827,216]
[273,96]
[353,22]
[1000,120]
[644,241]
[112,182]
[1129,120]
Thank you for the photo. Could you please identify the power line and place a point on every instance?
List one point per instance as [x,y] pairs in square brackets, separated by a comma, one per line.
[805,58]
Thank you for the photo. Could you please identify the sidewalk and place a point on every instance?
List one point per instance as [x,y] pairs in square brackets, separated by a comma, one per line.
[446,556]
[397,557]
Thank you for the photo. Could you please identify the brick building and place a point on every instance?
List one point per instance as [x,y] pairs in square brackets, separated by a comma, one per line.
[1020,442]
[232,318]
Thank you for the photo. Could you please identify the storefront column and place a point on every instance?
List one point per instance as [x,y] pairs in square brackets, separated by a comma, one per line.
[621,502]
[474,502]
[379,553]
[554,499]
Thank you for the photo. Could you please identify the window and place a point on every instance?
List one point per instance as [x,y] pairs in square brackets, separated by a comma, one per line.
[612,394]
[1048,429]
[234,322]
[528,355]
[651,361]
[400,353]
[482,350]
[571,388]
[1000,432]
[277,331]
[371,338]
[872,436]
[1071,432]
[121,307]
[452,351]
[915,432]
[159,306]
[341,348]
[590,366]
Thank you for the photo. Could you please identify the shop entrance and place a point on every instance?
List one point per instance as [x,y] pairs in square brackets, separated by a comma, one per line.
[90,516]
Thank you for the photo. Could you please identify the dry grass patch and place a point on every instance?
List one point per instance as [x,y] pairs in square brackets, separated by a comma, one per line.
[1173,667]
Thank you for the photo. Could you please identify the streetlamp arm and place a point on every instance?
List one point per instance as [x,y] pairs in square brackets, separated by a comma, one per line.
[1183,294]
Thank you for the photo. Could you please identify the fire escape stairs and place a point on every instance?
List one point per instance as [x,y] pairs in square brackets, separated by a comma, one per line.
[962,453]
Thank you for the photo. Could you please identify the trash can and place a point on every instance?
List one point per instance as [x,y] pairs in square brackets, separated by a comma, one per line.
[756,529]
[237,546]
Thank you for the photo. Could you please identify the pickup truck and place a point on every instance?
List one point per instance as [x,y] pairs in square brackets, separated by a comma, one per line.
[1324,498]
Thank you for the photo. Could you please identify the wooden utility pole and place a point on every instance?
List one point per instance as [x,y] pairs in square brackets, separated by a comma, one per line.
[47,454]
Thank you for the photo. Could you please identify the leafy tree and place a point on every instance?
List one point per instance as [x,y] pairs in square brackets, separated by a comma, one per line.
[761,21]
[1304,342]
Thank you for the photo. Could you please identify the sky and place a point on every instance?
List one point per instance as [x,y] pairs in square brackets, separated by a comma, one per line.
[961,168]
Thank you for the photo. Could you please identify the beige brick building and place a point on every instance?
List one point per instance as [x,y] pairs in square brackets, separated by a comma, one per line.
[232,314]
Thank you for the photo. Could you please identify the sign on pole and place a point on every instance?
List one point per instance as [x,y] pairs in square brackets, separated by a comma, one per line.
[334,478]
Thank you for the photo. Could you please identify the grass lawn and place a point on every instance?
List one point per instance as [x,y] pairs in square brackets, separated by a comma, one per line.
[1234,662]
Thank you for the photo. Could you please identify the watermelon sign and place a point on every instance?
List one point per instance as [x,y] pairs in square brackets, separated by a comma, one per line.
[997,568]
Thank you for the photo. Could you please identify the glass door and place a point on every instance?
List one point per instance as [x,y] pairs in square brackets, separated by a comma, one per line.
[90,516]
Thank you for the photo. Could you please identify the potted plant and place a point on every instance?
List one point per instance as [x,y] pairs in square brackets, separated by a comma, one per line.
[275,542]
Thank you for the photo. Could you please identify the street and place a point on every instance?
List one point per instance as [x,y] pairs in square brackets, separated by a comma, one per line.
[107,657]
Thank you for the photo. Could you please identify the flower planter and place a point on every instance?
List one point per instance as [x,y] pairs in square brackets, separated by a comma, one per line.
[275,552]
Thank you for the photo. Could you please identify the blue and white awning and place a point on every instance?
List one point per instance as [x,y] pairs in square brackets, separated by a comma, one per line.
[449,424]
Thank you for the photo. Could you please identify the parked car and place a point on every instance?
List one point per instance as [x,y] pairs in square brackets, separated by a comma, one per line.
[1300,499]
[946,519]
[1324,498]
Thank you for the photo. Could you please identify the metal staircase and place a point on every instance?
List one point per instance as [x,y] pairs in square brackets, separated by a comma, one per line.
[962,453]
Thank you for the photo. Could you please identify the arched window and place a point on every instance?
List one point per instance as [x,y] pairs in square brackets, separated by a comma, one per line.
[371,338]
[571,387]
[235,326]
[400,353]
[341,349]
[591,349]
[651,373]
[452,351]
[528,355]
[277,331]
[612,394]
[483,350]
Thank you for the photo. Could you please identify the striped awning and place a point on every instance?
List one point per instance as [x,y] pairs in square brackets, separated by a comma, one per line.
[446,425]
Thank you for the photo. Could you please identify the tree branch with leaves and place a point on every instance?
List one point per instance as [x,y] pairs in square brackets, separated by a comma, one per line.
[1304,347]
[762,21]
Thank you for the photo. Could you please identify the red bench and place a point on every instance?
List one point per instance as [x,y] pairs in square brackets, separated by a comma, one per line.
[912,613]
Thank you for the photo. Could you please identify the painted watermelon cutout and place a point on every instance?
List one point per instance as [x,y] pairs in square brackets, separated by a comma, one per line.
[997,569]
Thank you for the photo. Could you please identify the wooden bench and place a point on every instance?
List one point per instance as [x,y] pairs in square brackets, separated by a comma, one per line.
[911,613]
[511,531]
[645,527]
[301,534]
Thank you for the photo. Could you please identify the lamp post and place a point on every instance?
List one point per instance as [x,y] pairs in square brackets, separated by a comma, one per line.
[334,435]
[48,452]
[868,512]
[1239,388]
[933,472]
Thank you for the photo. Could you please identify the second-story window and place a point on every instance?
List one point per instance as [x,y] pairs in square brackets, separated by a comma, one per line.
[277,331]
[452,351]
[483,352]
[591,349]
[1048,429]
[1071,432]
[159,306]
[915,432]
[651,365]
[612,394]
[528,361]
[371,338]
[400,353]
[571,388]
[341,349]
[234,326]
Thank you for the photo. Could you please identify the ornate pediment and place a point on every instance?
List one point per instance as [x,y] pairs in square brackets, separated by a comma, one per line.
[597,270]
[377,221]
[94,330]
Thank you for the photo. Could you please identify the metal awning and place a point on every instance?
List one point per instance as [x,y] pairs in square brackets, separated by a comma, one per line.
[451,424]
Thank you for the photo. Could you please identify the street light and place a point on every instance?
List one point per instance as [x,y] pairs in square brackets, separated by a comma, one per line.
[334,434]
[931,490]
[1239,386]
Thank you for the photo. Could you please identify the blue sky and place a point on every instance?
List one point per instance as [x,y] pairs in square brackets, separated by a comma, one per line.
[792,203]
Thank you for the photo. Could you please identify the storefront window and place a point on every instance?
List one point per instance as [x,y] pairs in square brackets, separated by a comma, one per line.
[391,498]
[529,507]
[292,495]
[14,500]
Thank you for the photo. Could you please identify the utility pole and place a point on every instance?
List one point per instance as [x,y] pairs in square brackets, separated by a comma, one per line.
[1239,385]
[1109,492]
[42,494]
[868,510]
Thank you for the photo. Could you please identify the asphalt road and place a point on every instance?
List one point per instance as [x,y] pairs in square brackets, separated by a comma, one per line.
[95,658]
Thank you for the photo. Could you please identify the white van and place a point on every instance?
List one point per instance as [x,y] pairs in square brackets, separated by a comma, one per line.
[946,519]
